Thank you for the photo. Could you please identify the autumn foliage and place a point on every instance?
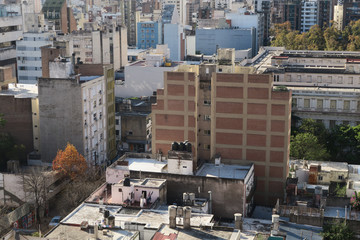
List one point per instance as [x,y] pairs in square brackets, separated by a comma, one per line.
[70,162]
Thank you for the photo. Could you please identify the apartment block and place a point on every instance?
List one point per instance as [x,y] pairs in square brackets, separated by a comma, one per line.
[11,31]
[79,109]
[59,16]
[238,116]
[149,34]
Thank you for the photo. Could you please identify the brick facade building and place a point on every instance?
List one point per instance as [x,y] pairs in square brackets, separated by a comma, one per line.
[239,116]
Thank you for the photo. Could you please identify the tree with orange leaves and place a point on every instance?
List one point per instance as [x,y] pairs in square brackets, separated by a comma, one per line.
[70,162]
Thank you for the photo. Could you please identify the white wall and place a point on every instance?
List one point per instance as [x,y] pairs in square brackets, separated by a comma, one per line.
[184,167]
[141,81]
[190,45]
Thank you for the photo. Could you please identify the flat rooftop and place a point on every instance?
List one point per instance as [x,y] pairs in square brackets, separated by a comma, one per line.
[145,164]
[21,90]
[75,233]
[148,182]
[88,78]
[151,218]
[325,166]
[224,171]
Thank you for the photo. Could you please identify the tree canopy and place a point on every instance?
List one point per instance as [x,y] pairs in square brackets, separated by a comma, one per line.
[329,39]
[312,141]
[70,162]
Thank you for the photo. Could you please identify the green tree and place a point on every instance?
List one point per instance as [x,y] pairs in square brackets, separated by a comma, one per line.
[318,129]
[344,143]
[340,191]
[306,146]
[336,230]
[315,38]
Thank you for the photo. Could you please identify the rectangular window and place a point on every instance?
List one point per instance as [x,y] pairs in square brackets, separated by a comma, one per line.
[207,132]
[294,102]
[346,105]
[207,102]
[306,103]
[320,178]
[207,117]
[351,80]
[319,79]
[340,177]
[332,123]
[319,103]
[117,121]
[206,146]
[332,104]
[340,79]
[117,132]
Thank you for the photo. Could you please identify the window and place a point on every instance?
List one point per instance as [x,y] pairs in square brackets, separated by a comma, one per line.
[329,79]
[184,166]
[332,123]
[294,102]
[207,132]
[206,146]
[346,105]
[319,79]
[306,103]
[299,78]
[117,121]
[117,132]
[207,117]
[100,101]
[207,102]
[340,177]
[120,190]
[320,178]
[319,103]
[340,79]
[94,104]
[332,104]
[358,105]
[95,118]
[351,80]
[130,133]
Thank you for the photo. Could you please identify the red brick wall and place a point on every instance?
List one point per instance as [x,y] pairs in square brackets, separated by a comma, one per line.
[229,92]
[227,77]
[258,93]
[278,110]
[170,135]
[256,140]
[170,120]
[277,141]
[277,126]
[175,105]
[229,138]
[276,156]
[175,90]
[256,155]
[230,153]
[256,108]
[256,125]
[229,123]
[229,107]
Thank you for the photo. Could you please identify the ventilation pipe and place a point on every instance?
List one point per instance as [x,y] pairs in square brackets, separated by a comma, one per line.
[187,216]
[238,221]
[172,216]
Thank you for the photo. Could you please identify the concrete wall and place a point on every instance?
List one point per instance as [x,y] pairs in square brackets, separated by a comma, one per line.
[60,106]
[18,115]
[172,39]
[227,194]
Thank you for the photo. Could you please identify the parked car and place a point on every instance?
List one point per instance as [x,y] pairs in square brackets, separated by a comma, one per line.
[55,221]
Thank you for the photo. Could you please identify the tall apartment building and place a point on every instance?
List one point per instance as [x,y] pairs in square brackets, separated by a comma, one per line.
[238,116]
[346,11]
[129,18]
[11,31]
[181,8]
[264,7]
[315,12]
[28,54]
[107,46]
[59,16]
[79,109]
[149,34]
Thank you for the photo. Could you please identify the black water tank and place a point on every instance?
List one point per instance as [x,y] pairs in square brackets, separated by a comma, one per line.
[182,146]
[174,146]
[127,182]
[188,147]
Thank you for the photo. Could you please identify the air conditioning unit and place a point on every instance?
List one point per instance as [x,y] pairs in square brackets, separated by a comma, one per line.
[85,112]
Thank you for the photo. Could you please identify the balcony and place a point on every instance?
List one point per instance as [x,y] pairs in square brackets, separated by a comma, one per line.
[10,21]
[10,36]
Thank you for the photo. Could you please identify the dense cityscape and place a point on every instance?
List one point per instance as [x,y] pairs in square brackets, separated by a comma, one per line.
[179,119]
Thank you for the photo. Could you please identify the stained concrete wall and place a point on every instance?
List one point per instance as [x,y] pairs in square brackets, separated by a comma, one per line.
[227,194]
[60,106]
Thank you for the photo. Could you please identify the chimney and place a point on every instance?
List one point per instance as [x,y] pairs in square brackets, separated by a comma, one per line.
[275,222]
[172,216]
[238,221]
[210,202]
[187,216]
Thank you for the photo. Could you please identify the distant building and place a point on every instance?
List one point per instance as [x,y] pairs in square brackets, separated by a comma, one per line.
[11,24]
[28,54]
[325,84]
[174,37]
[209,40]
[59,16]
[108,46]
[149,34]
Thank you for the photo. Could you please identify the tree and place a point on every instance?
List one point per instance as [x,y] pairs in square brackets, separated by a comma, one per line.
[35,184]
[306,146]
[315,38]
[70,162]
[336,230]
